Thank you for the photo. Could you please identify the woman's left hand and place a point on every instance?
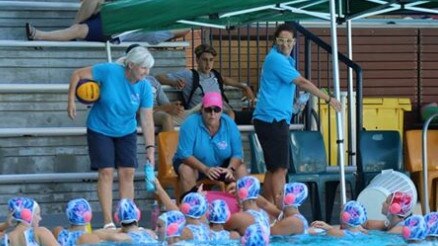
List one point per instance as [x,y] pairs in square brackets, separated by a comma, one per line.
[229,175]
[336,104]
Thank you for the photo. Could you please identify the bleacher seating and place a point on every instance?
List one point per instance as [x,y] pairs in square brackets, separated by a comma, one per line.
[34,76]
[39,142]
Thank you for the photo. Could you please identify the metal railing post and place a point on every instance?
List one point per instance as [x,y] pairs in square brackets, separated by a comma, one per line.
[425,197]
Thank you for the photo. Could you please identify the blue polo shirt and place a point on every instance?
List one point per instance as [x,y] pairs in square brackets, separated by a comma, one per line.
[277,90]
[114,114]
[195,140]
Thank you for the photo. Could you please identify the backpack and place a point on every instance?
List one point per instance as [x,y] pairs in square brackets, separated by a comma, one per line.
[196,84]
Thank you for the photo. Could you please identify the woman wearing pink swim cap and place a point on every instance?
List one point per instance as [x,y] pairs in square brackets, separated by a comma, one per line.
[26,215]
[209,145]
[397,207]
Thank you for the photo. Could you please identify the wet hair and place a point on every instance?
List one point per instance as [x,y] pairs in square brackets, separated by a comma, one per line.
[129,224]
[204,48]
[284,27]
[193,189]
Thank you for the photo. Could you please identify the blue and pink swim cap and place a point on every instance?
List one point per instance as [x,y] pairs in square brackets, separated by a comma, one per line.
[431,220]
[255,235]
[194,205]
[22,209]
[127,212]
[248,188]
[401,204]
[414,228]
[174,222]
[294,194]
[78,212]
[218,212]
[354,214]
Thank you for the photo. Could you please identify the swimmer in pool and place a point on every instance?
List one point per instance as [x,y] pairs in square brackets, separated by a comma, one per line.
[396,208]
[353,216]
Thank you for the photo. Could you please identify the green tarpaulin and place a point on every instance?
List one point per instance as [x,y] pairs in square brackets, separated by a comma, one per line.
[152,15]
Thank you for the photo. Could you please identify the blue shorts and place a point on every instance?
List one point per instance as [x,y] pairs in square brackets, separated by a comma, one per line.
[95,31]
[114,152]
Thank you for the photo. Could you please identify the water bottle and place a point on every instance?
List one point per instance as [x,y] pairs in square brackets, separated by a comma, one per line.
[300,102]
[155,212]
[149,177]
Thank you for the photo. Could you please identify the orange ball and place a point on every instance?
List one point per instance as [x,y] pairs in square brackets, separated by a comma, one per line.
[87,91]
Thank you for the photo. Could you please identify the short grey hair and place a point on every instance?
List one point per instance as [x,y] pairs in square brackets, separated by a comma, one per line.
[139,56]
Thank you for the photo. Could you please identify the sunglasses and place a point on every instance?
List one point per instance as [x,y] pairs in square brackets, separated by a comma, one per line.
[285,41]
[211,109]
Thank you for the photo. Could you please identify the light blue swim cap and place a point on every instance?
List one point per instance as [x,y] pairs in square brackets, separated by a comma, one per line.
[127,212]
[174,222]
[194,205]
[248,187]
[354,214]
[78,212]
[431,220]
[294,194]
[414,228]
[218,212]
[22,209]
[255,235]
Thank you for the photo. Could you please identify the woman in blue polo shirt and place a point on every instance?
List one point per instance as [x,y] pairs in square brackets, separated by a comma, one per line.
[112,123]
[209,145]
[273,111]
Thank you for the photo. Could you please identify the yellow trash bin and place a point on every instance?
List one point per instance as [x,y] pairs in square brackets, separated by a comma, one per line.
[378,114]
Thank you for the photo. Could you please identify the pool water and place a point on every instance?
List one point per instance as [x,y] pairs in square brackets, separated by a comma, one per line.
[375,238]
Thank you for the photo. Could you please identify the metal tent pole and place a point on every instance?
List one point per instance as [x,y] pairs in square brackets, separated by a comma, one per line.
[340,133]
[351,125]
[108,51]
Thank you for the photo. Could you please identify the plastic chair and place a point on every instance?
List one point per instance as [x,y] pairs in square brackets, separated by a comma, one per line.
[258,167]
[414,163]
[309,165]
[167,144]
[378,150]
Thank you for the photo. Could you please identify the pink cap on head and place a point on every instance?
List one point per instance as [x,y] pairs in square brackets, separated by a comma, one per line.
[211,99]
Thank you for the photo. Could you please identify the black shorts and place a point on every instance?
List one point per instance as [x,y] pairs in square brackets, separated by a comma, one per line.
[179,162]
[112,152]
[274,139]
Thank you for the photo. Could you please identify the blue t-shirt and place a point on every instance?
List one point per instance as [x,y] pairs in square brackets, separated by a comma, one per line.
[277,90]
[114,114]
[195,140]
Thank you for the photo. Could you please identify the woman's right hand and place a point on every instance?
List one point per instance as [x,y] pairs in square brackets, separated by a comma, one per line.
[213,173]
[321,225]
[71,109]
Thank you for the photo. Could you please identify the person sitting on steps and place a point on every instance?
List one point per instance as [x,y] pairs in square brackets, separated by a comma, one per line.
[195,83]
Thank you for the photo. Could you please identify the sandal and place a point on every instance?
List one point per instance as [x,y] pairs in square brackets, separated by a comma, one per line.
[109,226]
[30,32]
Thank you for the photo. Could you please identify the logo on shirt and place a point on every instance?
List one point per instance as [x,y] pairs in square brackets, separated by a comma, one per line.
[222,145]
[135,98]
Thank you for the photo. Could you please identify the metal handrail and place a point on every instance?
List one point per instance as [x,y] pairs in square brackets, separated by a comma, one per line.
[39,5]
[425,197]
[81,131]
[46,88]
[55,177]
[87,44]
